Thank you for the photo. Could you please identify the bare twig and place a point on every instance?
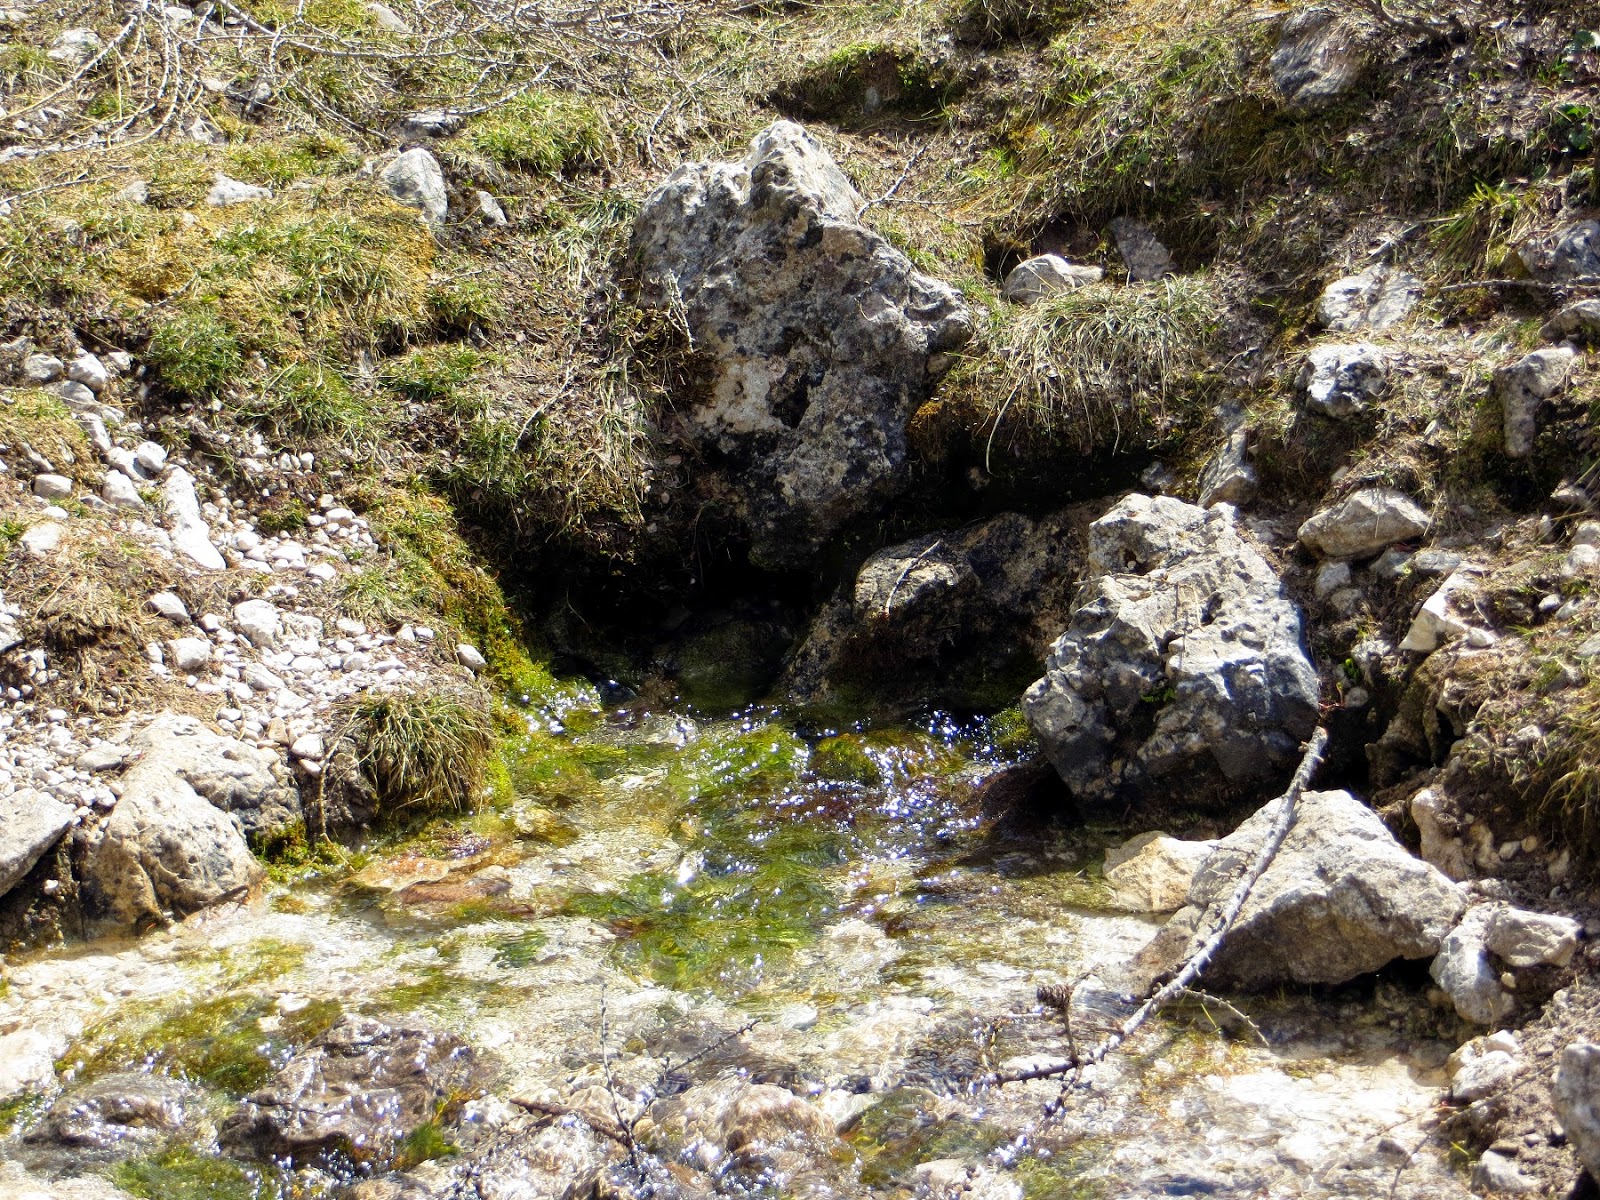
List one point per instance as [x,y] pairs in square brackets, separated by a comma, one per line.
[1075,1064]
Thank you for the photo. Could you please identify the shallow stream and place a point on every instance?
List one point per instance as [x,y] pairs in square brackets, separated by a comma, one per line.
[646,886]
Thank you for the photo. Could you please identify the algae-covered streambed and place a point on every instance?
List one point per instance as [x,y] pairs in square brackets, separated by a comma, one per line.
[825,909]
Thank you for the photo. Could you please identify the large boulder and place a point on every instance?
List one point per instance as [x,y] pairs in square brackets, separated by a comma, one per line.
[30,823]
[251,783]
[357,1092]
[942,616]
[821,338]
[1181,672]
[166,848]
[1340,899]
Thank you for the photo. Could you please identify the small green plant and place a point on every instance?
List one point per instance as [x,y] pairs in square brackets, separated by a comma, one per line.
[539,131]
[195,352]
[425,751]
[423,1144]
[285,515]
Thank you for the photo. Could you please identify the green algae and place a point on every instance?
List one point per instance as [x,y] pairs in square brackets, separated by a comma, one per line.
[221,1042]
[20,1111]
[520,949]
[183,1173]
[844,759]
[900,1131]
[744,760]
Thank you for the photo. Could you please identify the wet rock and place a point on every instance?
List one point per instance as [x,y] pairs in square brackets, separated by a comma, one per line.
[110,1112]
[1341,381]
[28,1061]
[1523,386]
[190,534]
[953,1179]
[742,1133]
[821,337]
[1577,1102]
[1341,899]
[1317,58]
[358,1091]
[1181,672]
[1364,523]
[1375,299]
[940,613]
[1153,872]
[1490,940]
[1229,478]
[1564,255]
[1146,258]
[1045,275]
[30,823]
[416,179]
[1578,321]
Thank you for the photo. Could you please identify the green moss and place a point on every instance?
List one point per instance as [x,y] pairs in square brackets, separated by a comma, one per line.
[218,1042]
[284,514]
[738,761]
[844,759]
[519,950]
[19,1111]
[423,1144]
[314,401]
[183,1173]
[539,131]
[897,1133]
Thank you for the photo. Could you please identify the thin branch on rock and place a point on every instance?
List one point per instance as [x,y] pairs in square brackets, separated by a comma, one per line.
[1076,1064]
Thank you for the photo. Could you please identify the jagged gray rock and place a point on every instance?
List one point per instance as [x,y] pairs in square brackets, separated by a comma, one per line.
[358,1089]
[1146,258]
[1523,386]
[1364,523]
[1566,254]
[1181,670]
[1375,299]
[1341,380]
[1490,940]
[1341,899]
[1045,275]
[30,823]
[822,337]
[1317,58]
[416,179]
[237,778]
[1579,321]
[1228,478]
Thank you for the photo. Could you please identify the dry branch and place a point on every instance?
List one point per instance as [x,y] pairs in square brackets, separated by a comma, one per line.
[1180,984]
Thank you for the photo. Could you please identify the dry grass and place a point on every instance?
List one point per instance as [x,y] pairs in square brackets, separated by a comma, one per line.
[427,752]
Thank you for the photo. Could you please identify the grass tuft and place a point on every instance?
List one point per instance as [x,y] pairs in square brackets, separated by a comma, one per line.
[423,751]
[541,132]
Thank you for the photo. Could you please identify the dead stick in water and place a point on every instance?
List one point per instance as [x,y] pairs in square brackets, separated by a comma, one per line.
[1201,958]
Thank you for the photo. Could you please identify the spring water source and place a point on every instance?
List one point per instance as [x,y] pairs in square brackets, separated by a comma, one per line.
[658,906]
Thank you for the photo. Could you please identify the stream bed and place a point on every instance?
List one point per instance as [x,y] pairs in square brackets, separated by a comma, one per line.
[663,907]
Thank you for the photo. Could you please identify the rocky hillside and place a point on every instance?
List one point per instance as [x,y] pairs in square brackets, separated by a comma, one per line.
[379,384]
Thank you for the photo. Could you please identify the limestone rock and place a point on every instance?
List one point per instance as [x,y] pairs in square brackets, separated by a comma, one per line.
[236,777]
[1437,827]
[933,616]
[87,369]
[359,1089]
[74,46]
[28,1062]
[227,192]
[1499,1175]
[1483,1066]
[1045,275]
[1438,619]
[1341,898]
[470,657]
[820,336]
[1579,321]
[1489,939]
[1364,523]
[1523,386]
[1577,1102]
[121,492]
[164,849]
[30,823]
[1146,258]
[260,621]
[1564,255]
[189,655]
[1316,59]
[190,534]
[416,179]
[1153,872]
[1181,671]
[1341,380]
[126,1107]
[1229,478]
[40,369]
[489,210]
[51,487]
[1375,299]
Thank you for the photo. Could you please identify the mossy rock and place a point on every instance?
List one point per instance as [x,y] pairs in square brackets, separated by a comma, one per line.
[844,759]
